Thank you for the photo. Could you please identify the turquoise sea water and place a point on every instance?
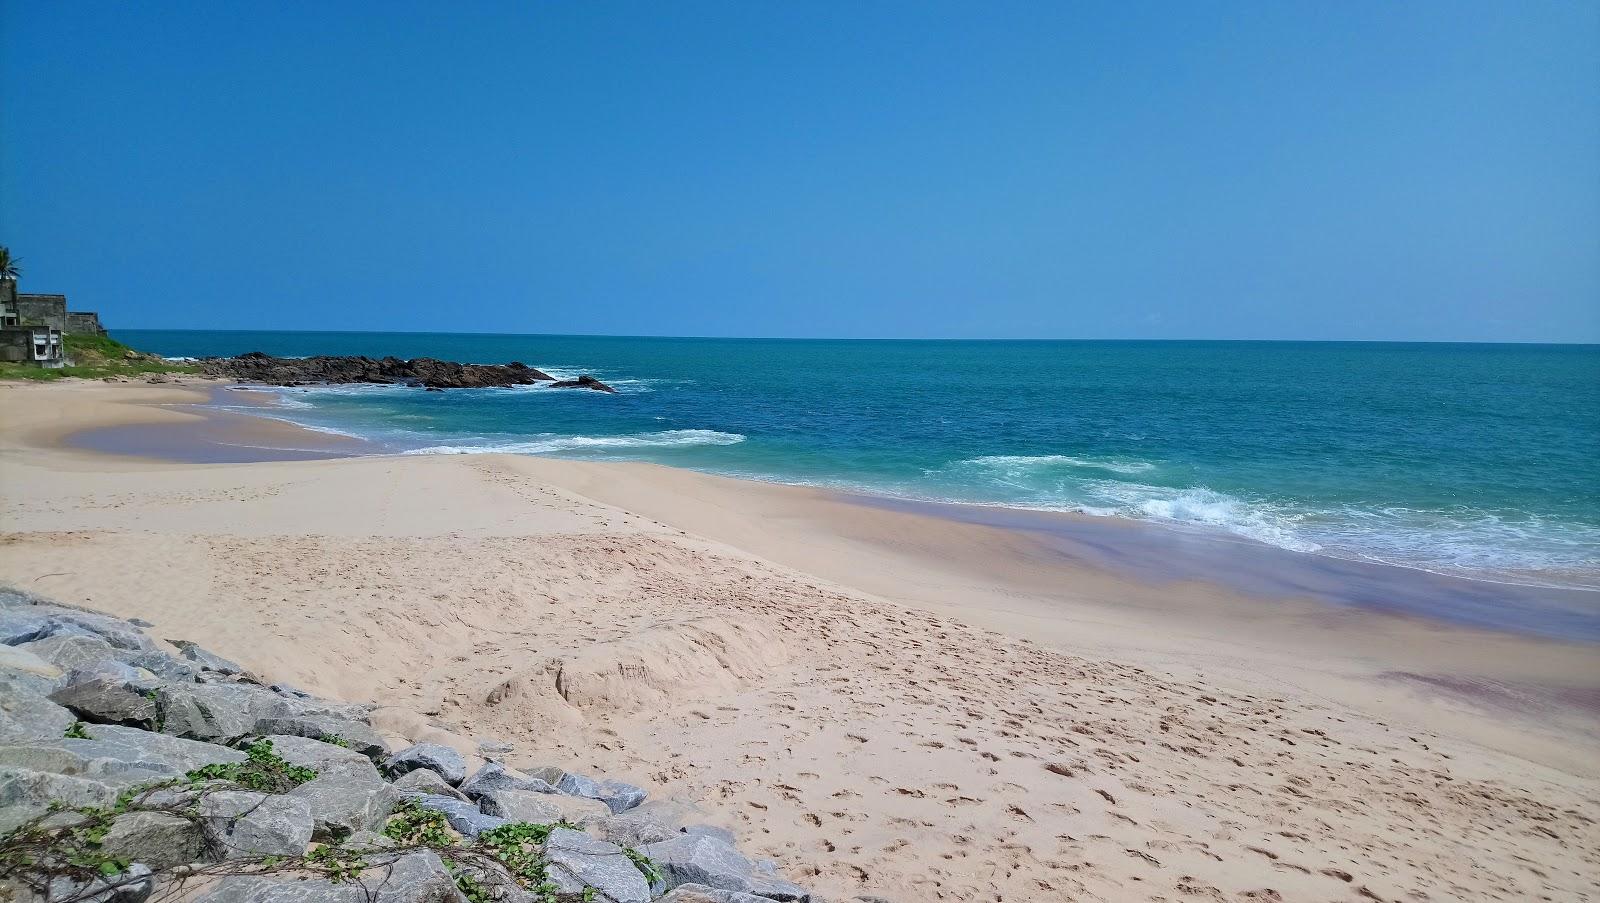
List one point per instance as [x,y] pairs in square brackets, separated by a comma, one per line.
[1473,460]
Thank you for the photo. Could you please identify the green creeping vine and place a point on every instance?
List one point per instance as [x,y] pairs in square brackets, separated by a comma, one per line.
[516,848]
[263,770]
[646,865]
[66,840]
[339,863]
[412,825]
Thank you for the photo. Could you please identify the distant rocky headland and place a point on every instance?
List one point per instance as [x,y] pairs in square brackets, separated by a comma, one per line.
[425,372]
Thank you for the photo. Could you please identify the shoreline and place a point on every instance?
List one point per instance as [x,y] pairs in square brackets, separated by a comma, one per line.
[1085,584]
[1132,549]
[877,699]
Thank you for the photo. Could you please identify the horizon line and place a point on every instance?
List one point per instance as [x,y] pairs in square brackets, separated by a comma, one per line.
[771,338]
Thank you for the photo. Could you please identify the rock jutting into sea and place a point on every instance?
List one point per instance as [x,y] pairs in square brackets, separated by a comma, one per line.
[426,372]
[131,774]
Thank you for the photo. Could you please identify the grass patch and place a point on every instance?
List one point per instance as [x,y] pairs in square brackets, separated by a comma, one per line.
[94,357]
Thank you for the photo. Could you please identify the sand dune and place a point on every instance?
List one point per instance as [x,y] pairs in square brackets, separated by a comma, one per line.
[877,725]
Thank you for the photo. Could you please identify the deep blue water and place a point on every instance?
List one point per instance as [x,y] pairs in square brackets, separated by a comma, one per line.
[1478,460]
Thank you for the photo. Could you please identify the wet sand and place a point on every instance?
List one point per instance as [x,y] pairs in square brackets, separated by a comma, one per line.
[1162,554]
[213,435]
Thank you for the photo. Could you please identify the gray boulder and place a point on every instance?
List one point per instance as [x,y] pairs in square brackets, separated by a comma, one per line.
[26,794]
[617,796]
[29,681]
[701,859]
[494,776]
[361,737]
[243,824]
[620,796]
[418,877]
[132,886]
[426,782]
[71,651]
[215,713]
[669,812]
[22,661]
[115,631]
[110,692]
[119,756]
[442,759]
[466,818]
[540,808]
[162,665]
[26,715]
[576,861]
[23,625]
[550,774]
[578,785]
[323,758]
[722,834]
[699,893]
[158,839]
[344,802]
[629,830]
[25,618]
[289,691]
[206,660]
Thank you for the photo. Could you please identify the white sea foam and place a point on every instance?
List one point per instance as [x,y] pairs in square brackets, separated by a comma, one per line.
[551,444]
[1199,506]
[1033,462]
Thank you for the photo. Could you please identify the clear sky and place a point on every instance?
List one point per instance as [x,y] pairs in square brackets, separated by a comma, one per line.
[1329,170]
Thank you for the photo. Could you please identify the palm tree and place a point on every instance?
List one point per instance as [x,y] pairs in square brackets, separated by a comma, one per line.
[9,266]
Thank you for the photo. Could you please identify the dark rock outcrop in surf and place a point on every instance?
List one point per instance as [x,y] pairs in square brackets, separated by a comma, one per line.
[427,372]
[583,382]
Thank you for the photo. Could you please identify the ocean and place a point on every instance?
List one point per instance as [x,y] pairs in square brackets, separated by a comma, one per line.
[1480,461]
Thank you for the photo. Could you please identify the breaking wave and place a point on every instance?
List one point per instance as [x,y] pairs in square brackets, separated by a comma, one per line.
[551,444]
[1487,544]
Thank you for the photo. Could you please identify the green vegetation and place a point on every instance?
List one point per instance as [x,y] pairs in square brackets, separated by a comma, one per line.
[264,771]
[66,841]
[518,847]
[10,267]
[94,357]
[411,825]
[335,740]
[645,864]
[339,863]
[77,731]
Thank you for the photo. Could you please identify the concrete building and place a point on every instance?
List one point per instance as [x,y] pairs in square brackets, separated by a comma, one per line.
[32,327]
[84,322]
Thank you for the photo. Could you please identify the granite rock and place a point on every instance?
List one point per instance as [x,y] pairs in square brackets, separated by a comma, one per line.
[157,839]
[426,782]
[27,793]
[466,818]
[418,877]
[110,692]
[344,802]
[442,759]
[540,808]
[575,861]
[244,824]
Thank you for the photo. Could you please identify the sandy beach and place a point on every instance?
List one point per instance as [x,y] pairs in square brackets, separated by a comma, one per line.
[882,699]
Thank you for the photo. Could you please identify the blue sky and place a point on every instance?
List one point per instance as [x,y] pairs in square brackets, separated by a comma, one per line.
[1365,170]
